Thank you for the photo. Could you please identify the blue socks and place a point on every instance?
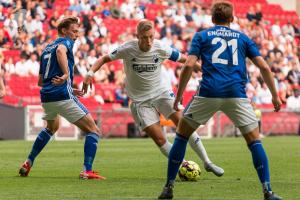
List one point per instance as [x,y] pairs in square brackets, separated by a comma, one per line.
[260,162]
[40,142]
[176,156]
[90,149]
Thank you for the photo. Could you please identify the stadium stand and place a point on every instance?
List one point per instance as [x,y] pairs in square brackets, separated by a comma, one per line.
[107,24]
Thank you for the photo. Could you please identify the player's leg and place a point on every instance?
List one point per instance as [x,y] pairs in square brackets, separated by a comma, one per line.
[155,132]
[176,156]
[43,137]
[92,136]
[197,145]
[242,114]
[77,114]
[147,117]
[194,115]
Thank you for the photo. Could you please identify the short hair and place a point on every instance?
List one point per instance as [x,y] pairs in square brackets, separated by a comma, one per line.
[144,25]
[66,23]
[222,12]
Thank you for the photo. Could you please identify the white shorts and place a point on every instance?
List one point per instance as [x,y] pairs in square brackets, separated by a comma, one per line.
[71,109]
[239,110]
[146,113]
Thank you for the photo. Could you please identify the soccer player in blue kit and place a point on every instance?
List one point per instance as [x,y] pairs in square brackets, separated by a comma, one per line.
[59,98]
[223,52]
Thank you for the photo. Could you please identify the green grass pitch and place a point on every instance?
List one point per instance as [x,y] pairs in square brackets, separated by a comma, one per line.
[135,169]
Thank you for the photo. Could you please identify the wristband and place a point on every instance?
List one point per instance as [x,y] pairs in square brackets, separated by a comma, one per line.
[90,73]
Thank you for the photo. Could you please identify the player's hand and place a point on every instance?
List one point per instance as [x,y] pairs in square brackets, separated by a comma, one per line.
[176,103]
[276,103]
[86,83]
[59,80]
[78,93]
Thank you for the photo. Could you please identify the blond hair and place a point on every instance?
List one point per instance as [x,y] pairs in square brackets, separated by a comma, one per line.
[144,25]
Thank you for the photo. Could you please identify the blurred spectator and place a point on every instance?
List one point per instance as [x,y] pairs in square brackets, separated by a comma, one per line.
[258,13]
[170,27]
[276,29]
[121,96]
[193,83]
[82,67]
[32,65]
[289,29]
[2,16]
[21,68]
[167,40]
[127,9]
[54,20]
[11,26]
[180,19]
[293,102]
[169,75]
[9,66]
[251,13]
[5,40]
[293,76]
[75,6]
[40,10]
[91,59]
[33,25]
[264,95]
[177,44]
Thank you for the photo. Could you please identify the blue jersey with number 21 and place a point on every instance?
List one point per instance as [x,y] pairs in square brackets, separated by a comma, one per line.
[49,68]
[223,52]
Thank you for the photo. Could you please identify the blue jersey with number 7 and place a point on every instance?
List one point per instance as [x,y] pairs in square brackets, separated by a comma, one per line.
[223,52]
[49,68]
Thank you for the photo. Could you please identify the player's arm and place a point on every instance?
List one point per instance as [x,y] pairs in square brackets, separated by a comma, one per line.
[185,77]
[62,59]
[183,59]
[96,66]
[40,81]
[269,79]
[2,88]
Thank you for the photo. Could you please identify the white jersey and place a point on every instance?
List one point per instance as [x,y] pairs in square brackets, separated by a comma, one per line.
[143,69]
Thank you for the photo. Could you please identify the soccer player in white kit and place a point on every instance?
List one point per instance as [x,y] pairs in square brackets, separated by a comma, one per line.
[144,84]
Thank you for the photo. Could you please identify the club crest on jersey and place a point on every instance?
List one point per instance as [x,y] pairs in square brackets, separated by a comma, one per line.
[155,58]
[114,52]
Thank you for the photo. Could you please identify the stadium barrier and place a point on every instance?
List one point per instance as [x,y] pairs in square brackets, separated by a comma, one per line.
[26,122]
[12,122]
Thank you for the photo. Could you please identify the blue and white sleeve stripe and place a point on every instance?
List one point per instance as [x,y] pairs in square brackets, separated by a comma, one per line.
[175,55]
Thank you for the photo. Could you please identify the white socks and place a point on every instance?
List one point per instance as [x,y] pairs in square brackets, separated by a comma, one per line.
[196,144]
[165,148]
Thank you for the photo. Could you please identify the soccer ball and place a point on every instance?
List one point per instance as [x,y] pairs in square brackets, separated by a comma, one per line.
[189,171]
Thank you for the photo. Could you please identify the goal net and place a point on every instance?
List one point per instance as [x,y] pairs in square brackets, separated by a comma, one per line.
[34,123]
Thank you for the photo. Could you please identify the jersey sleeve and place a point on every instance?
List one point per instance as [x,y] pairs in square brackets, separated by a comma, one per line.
[251,49]
[169,53]
[196,45]
[118,53]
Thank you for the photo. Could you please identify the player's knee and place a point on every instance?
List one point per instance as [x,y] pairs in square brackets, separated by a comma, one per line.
[52,129]
[93,128]
[160,141]
[97,130]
